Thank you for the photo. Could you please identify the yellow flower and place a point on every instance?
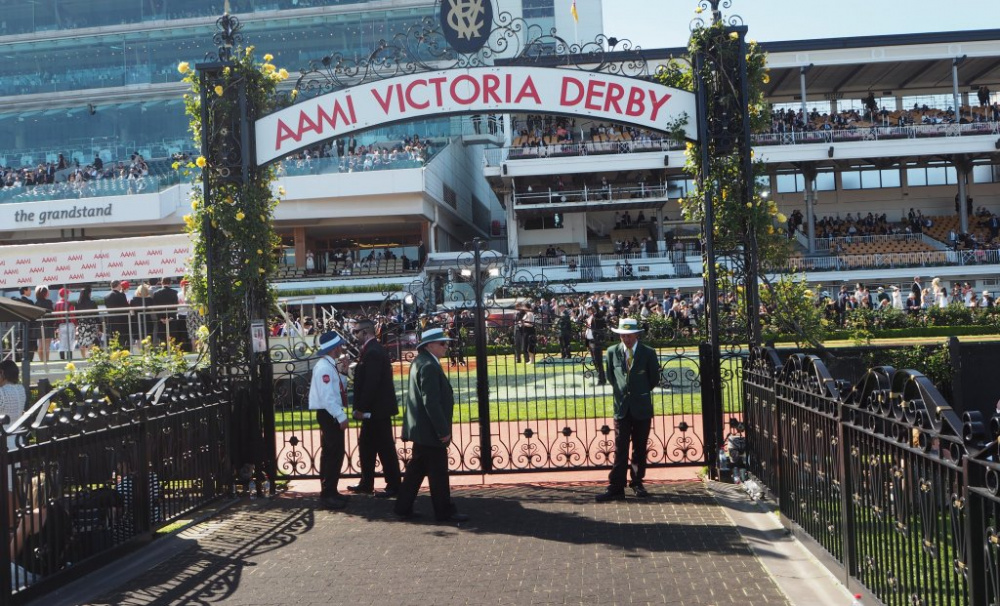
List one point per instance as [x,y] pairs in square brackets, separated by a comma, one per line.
[699,10]
[202,332]
[283,73]
[260,270]
[680,200]
[225,71]
[175,165]
[295,93]
[269,57]
[249,50]
[218,89]
[203,310]
[781,218]
[70,367]
[194,205]
[767,78]
[260,252]
[281,191]
[734,36]
[749,204]
[200,162]
[189,221]
[239,283]
[183,67]
[215,224]
[230,201]
[268,68]
[770,229]
[239,215]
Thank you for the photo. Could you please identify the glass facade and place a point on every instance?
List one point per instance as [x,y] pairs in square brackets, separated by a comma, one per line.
[116,91]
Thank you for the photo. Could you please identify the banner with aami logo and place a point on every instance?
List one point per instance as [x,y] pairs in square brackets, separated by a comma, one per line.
[59,263]
[615,99]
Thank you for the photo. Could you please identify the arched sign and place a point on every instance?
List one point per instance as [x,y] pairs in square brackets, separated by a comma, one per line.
[482,90]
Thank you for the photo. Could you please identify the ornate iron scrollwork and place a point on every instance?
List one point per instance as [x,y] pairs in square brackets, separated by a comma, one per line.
[423,48]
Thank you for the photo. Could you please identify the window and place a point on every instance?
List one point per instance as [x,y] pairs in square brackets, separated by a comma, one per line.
[870,179]
[984,174]
[931,175]
[544,222]
[790,183]
[826,181]
[535,9]
[450,198]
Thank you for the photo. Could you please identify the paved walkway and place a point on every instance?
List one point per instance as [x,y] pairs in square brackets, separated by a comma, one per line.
[535,543]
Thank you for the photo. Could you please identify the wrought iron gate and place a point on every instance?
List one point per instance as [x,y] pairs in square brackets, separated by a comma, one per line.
[519,396]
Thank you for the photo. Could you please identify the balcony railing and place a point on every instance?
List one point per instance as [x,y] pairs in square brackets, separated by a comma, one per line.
[876,133]
[825,244]
[617,191]
[937,258]
[496,157]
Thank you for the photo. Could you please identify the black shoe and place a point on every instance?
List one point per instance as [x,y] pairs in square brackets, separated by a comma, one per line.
[456,517]
[409,515]
[640,491]
[361,489]
[602,382]
[610,495]
[335,502]
[388,493]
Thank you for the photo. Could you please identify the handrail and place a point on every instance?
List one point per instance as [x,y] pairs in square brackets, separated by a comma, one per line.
[892,260]
[823,244]
[876,133]
[611,191]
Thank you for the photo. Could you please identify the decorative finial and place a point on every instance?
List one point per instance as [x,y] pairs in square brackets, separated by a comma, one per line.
[716,13]
[225,8]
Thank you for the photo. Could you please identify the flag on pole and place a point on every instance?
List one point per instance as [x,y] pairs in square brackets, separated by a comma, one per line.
[572,10]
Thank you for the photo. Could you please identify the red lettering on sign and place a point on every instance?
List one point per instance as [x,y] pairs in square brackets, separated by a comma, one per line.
[594,94]
[657,104]
[491,84]
[75,258]
[25,261]
[154,253]
[62,267]
[181,251]
[616,92]
[103,274]
[24,280]
[116,264]
[454,90]
[156,272]
[528,90]
[285,133]
[409,95]
[385,102]
[128,255]
[143,263]
[89,266]
[75,277]
[103,255]
[564,98]
[49,259]
[636,103]
[50,279]
[130,274]
[167,261]
[11,272]
[438,95]
[36,270]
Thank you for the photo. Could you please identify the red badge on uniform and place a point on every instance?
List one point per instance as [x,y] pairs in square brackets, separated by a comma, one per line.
[326,378]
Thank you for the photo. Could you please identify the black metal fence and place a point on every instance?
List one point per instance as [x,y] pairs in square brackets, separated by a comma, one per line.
[90,475]
[551,414]
[895,486]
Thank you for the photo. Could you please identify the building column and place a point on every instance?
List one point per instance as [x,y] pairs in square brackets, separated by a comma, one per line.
[962,169]
[809,176]
[299,233]
[660,242]
[508,207]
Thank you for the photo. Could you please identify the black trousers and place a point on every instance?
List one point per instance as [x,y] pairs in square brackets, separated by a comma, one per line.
[331,459]
[429,462]
[565,341]
[637,432]
[376,439]
[597,356]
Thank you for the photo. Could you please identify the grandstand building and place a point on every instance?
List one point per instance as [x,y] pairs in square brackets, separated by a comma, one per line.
[867,125]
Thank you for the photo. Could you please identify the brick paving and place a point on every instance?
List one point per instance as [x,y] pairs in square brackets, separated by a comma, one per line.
[543,543]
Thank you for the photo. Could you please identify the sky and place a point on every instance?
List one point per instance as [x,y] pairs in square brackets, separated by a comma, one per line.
[665,23]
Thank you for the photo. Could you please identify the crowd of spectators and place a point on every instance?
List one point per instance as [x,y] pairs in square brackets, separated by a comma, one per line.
[71,180]
[790,120]
[917,300]
[538,130]
[410,152]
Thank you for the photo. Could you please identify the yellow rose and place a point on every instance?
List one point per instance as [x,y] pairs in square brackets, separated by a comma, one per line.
[281,191]
[260,270]
[183,67]
[175,165]
[295,93]
[218,90]
[260,252]
[283,73]
[734,36]
[70,367]
[200,162]
[767,78]
[749,204]
[269,57]
[699,10]
[782,218]
[268,68]
[239,215]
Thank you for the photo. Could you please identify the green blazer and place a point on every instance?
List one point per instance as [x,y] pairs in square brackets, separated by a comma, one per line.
[428,404]
[632,389]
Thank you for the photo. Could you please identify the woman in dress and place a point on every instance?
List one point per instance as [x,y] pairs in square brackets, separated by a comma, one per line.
[86,328]
[143,319]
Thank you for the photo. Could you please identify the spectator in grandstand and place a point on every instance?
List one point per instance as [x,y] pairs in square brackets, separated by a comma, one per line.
[66,324]
[166,295]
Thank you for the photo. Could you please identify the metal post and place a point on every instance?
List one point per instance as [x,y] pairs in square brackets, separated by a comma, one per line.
[711,397]
[750,256]
[482,376]
[208,231]
[809,175]
[802,88]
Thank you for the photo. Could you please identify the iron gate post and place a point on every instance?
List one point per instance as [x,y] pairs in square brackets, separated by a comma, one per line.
[482,376]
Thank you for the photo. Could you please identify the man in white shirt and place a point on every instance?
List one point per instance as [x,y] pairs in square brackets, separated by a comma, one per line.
[328,397]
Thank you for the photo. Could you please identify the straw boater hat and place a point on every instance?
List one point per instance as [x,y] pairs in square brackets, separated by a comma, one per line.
[627,326]
[327,342]
[432,335]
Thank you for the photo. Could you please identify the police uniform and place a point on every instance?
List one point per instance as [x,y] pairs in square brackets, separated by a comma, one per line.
[328,397]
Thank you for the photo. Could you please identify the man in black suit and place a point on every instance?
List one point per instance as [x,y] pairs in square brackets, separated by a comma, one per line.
[118,323]
[375,405]
[164,296]
[916,288]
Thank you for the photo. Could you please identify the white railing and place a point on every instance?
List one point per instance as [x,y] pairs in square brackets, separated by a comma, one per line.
[496,157]
[893,260]
[578,260]
[615,191]
[876,133]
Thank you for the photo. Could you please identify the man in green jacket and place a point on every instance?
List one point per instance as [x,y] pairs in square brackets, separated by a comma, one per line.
[633,371]
[428,406]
